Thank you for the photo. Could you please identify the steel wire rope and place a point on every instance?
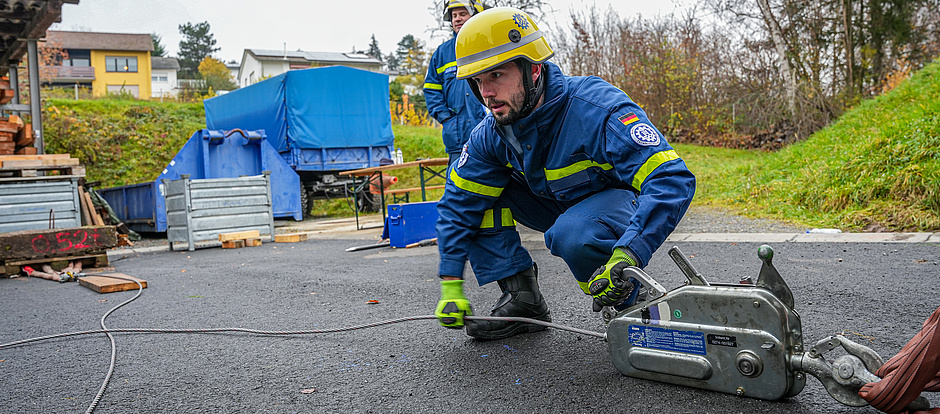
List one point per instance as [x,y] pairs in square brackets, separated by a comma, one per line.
[104,329]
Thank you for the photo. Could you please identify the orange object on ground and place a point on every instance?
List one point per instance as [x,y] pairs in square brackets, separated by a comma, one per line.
[916,368]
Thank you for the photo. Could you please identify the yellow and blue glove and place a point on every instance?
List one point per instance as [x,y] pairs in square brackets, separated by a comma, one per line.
[453,305]
[608,286]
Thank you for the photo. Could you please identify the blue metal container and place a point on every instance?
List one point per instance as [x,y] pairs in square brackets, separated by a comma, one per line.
[209,154]
[411,223]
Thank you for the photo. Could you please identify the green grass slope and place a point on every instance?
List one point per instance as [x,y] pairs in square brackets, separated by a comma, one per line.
[876,168]
[119,141]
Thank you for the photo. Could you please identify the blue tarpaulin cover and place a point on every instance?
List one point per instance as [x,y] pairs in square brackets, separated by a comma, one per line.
[329,107]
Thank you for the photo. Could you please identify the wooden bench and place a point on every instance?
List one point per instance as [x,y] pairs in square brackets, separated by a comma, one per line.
[396,192]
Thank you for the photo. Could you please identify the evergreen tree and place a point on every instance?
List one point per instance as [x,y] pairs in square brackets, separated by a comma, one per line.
[158,49]
[197,44]
[374,50]
[411,55]
[391,62]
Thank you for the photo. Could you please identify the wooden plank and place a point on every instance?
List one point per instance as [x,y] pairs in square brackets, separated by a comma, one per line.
[85,209]
[35,244]
[20,164]
[233,244]
[26,150]
[102,284]
[61,162]
[239,235]
[290,238]
[35,157]
[6,126]
[95,217]
[253,242]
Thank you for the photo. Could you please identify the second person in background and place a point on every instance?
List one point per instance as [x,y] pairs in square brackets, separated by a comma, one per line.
[451,102]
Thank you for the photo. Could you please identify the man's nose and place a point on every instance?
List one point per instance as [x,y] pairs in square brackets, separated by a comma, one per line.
[486,90]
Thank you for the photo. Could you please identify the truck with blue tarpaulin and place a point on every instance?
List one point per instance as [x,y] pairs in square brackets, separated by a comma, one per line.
[321,120]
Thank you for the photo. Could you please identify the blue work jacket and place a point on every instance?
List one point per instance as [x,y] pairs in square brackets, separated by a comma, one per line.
[587,136]
[450,101]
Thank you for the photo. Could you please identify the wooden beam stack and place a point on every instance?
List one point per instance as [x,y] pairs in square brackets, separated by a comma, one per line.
[16,137]
[237,240]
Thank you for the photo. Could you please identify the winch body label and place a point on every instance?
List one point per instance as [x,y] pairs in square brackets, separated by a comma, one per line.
[667,339]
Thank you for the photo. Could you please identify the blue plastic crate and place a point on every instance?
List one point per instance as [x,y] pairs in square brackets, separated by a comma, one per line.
[411,223]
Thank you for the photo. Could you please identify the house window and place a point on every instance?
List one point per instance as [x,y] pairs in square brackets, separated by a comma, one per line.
[120,64]
[159,78]
[78,57]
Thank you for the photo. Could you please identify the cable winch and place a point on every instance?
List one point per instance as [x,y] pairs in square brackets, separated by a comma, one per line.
[744,339]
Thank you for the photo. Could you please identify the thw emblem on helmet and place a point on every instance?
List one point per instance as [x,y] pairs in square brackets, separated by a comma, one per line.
[520,21]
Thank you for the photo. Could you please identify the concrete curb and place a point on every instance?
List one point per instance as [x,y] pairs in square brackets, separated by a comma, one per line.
[531,236]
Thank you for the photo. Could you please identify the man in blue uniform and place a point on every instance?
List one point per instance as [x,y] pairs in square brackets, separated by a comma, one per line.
[573,157]
[450,101]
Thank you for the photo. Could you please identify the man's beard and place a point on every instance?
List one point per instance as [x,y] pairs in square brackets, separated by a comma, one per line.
[515,104]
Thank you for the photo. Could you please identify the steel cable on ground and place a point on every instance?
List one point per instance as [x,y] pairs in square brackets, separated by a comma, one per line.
[300,332]
[104,329]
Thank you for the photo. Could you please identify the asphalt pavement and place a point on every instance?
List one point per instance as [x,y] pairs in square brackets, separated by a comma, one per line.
[876,288]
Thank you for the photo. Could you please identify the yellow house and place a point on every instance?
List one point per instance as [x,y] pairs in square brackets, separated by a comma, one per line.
[104,62]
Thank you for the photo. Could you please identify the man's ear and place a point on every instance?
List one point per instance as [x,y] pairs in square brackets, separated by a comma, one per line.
[536,72]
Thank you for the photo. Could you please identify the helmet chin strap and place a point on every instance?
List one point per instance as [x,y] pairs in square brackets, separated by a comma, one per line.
[533,90]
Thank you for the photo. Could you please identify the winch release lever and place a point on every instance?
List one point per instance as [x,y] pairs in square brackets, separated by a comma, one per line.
[695,278]
[845,376]
[770,279]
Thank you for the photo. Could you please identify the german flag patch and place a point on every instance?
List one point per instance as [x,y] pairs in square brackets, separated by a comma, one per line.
[629,118]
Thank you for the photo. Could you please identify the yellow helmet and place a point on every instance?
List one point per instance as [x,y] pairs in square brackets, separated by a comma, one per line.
[474,6]
[496,36]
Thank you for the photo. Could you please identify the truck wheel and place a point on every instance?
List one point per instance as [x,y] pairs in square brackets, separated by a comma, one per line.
[367,202]
[306,202]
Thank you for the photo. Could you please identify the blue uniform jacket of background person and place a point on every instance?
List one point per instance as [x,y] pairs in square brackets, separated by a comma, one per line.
[450,101]
[587,136]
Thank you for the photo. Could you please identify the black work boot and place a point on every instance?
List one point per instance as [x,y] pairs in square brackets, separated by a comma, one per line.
[521,298]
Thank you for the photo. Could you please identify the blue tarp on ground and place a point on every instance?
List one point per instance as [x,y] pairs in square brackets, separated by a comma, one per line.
[331,107]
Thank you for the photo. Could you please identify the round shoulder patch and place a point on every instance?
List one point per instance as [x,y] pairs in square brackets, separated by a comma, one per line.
[463,157]
[644,134]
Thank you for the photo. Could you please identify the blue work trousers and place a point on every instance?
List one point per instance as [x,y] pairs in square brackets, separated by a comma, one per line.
[583,233]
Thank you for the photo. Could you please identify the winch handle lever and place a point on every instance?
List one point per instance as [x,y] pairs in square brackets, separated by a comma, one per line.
[695,278]
[654,288]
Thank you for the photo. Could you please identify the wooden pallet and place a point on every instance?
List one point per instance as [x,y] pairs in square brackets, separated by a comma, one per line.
[15,267]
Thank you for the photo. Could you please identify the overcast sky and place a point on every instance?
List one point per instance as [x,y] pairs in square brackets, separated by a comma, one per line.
[315,26]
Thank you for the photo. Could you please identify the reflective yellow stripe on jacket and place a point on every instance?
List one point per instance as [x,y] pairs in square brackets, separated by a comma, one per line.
[443,68]
[556,174]
[651,164]
[473,187]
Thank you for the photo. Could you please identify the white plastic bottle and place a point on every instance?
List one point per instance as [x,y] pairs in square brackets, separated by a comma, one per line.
[824,231]
[399,159]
